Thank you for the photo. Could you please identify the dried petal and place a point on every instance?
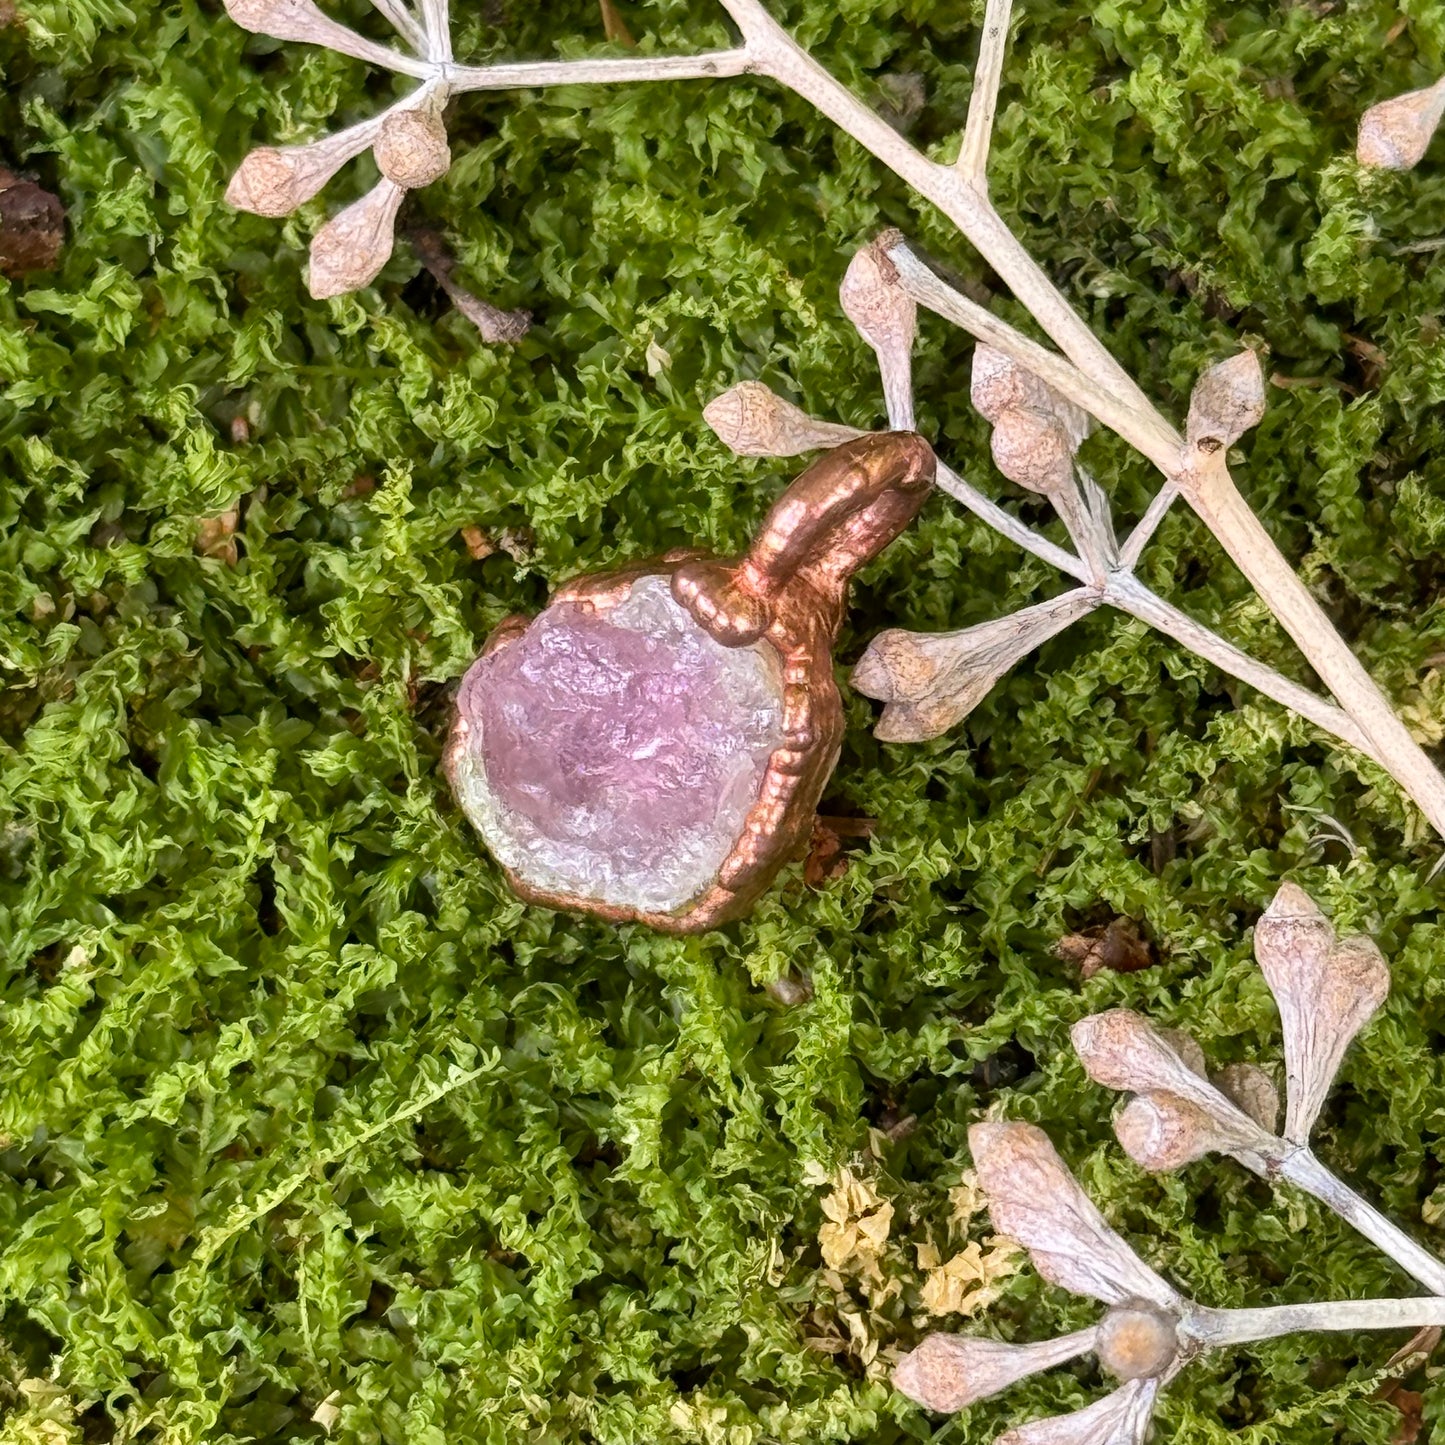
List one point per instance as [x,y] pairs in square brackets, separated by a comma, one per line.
[1226,402]
[1119,1419]
[1327,992]
[1034,1200]
[754,421]
[1033,449]
[349,251]
[1396,133]
[32,226]
[999,384]
[1249,1088]
[951,1372]
[412,147]
[273,181]
[931,681]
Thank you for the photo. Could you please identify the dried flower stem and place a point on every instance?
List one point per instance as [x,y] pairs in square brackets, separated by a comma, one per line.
[404,23]
[1215,1328]
[1302,1168]
[972,160]
[710,65]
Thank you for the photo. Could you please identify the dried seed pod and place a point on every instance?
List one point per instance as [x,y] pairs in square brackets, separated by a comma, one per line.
[1118,1419]
[274,180]
[1034,1200]
[349,251]
[1226,402]
[1182,1116]
[874,300]
[1252,1091]
[1032,448]
[951,1372]
[1327,991]
[1137,1344]
[931,681]
[754,421]
[999,384]
[886,316]
[1162,1132]
[1396,133]
[412,148]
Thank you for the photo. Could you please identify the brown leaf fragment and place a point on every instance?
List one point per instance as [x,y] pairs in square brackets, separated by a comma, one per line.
[32,226]
[614,27]
[479,544]
[827,857]
[1410,1404]
[1119,946]
[9,15]
[215,536]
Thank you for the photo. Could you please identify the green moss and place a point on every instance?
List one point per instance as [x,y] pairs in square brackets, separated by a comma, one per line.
[297,1105]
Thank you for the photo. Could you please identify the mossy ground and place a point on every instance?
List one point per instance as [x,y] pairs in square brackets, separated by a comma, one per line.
[297,1105]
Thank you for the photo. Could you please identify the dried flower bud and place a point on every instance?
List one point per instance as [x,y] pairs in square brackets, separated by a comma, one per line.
[951,1372]
[273,181]
[754,421]
[1034,1200]
[1227,400]
[349,251]
[931,681]
[1396,133]
[1327,991]
[412,148]
[1032,449]
[1293,934]
[1137,1344]
[999,384]
[1252,1091]
[1118,1419]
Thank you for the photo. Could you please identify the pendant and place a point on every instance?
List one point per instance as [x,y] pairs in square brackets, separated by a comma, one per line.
[652,746]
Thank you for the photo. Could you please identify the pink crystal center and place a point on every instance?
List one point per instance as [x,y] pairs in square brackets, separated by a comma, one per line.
[614,755]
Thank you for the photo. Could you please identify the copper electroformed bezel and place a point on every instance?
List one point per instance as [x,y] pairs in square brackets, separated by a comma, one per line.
[788,593]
